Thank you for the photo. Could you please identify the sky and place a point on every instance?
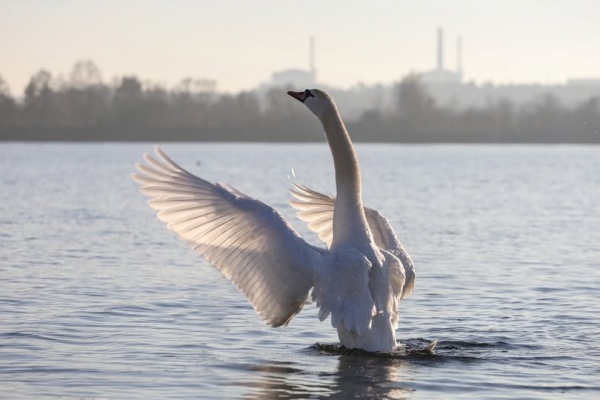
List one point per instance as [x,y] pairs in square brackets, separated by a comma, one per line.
[239,43]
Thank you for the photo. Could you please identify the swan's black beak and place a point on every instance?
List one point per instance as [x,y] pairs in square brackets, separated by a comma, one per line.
[300,96]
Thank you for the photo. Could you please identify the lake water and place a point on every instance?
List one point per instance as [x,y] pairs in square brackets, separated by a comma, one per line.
[99,300]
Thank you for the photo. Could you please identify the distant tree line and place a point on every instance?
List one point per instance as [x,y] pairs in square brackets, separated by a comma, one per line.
[84,108]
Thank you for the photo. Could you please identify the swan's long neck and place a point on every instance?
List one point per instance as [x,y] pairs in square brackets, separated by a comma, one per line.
[349,221]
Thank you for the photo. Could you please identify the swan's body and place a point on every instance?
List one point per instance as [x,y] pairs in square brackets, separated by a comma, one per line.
[359,280]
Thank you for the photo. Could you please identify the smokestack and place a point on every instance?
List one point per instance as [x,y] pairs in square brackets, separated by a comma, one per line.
[459,68]
[440,49]
[311,59]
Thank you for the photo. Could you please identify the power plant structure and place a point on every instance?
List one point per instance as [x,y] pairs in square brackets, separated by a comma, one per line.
[447,87]
[298,77]
[440,74]
[311,56]
[440,49]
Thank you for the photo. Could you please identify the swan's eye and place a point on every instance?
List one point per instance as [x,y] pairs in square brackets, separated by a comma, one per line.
[307,94]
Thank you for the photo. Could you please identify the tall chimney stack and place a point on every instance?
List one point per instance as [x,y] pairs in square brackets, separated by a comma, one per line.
[440,49]
[459,67]
[312,58]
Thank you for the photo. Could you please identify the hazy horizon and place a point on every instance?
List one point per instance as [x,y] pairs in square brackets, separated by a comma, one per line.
[508,41]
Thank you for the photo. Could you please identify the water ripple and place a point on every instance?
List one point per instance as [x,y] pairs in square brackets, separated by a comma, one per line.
[99,300]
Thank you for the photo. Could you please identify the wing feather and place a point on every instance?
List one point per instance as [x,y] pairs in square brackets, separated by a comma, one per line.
[317,210]
[247,240]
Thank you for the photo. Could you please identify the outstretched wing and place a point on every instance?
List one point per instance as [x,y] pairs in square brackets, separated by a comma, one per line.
[317,210]
[314,208]
[246,239]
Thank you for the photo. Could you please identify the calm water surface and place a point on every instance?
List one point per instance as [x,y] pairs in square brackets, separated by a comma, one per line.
[99,300]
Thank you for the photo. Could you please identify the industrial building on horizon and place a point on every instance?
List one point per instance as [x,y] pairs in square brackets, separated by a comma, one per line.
[440,74]
[448,88]
[295,77]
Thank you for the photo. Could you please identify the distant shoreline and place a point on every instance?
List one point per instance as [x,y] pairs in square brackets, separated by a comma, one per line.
[117,135]
[130,112]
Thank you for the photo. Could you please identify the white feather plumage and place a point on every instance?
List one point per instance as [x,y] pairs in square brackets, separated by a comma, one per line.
[358,280]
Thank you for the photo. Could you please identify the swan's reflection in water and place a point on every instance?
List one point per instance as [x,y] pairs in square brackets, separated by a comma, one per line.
[356,376]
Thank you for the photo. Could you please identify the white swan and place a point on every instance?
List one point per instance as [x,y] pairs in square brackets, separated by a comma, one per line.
[359,280]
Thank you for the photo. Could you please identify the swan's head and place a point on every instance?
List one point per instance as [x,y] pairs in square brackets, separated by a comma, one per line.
[317,101]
